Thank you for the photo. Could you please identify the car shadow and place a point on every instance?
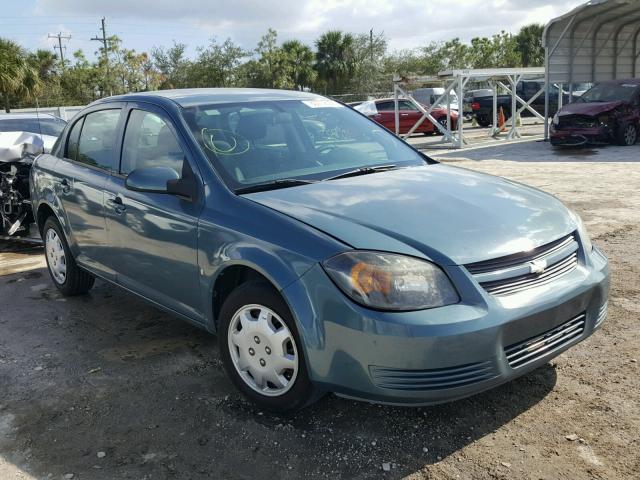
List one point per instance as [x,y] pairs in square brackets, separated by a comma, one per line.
[105,386]
[540,151]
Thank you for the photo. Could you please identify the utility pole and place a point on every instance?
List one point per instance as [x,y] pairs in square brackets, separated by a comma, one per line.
[59,36]
[371,45]
[104,42]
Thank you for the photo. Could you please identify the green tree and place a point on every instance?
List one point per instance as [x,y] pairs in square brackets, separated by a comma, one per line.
[217,65]
[82,82]
[335,59]
[273,66]
[17,76]
[172,65]
[369,51]
[529,45]
[300,58]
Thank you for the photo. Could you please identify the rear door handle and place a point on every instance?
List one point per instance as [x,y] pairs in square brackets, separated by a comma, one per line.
[117,205]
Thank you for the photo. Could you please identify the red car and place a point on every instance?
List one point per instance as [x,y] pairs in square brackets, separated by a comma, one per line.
[383,112]
[607,113]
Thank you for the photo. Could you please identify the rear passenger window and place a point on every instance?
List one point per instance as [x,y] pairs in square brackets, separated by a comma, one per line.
[149,142]
[386,106]
[72,143]
[97,139]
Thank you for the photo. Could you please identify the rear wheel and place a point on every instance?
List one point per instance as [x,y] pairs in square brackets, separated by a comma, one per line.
[261,350]
[483,120]
[65,273]
[627,134]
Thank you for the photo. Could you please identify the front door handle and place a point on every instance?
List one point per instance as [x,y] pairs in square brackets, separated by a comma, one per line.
[117,205]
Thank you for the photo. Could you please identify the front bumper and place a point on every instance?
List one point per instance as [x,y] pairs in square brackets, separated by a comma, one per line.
[575,137]
[442,354]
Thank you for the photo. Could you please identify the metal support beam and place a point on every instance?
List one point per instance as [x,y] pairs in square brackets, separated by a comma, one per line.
[426,113]
[635,53]
[547,93]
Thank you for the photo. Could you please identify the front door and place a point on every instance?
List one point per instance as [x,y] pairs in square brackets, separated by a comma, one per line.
[154,236]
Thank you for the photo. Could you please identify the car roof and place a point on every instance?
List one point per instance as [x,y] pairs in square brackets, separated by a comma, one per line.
[630,81]
[198,96]
[27,116]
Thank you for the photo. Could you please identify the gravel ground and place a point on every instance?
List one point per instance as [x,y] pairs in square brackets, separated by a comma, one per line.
[105,386]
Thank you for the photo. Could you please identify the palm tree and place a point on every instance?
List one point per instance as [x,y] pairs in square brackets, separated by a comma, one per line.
[335,58]
[17,77]
[529,41]
[300,59]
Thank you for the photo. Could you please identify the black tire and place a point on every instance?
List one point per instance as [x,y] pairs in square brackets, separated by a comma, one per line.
[302,392]
[483,121]
[627,134]
[76,281]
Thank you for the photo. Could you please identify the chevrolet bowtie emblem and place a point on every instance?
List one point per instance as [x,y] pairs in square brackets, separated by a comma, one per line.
[538,266]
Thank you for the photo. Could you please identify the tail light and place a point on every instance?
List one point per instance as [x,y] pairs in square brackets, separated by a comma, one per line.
[475,106]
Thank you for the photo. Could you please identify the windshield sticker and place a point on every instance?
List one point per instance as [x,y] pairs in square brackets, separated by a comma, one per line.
[322,103]
[224,142]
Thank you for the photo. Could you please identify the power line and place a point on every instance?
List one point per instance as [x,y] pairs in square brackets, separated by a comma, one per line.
[59,36]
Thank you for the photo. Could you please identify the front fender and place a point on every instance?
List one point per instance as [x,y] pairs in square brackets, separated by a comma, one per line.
[43,188]
[267,260]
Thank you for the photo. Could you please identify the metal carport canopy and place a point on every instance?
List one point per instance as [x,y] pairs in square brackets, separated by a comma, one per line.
[594,42]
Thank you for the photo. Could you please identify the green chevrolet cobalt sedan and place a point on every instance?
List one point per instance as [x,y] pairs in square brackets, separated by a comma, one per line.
[325,253]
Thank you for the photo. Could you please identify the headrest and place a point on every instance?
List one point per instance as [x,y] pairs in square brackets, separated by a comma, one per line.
[253,126]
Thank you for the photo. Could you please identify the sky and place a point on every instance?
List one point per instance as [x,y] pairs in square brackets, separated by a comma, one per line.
[144,24]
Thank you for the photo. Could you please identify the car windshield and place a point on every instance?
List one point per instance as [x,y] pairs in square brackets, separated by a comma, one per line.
[45,126]
[610,92]
[253,143]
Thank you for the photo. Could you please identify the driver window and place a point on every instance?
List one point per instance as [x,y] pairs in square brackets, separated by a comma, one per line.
[149,142]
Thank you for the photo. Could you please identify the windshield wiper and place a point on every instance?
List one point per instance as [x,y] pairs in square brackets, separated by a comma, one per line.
[362,171]
[273,185]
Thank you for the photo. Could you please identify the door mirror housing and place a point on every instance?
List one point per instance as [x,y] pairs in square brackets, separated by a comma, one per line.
[152,179]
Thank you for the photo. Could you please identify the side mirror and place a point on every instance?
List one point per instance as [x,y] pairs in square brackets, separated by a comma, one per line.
[152,179]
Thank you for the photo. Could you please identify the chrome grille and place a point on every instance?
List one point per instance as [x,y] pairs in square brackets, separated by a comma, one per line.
[602,314]
[515,273]
[530,350]
[433,379]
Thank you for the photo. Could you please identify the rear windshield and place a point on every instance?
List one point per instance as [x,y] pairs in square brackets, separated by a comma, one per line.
[45,126]
[610,92]
[256,142]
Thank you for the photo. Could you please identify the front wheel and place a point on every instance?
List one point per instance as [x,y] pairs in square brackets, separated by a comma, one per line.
[261,350]
[627,134]
[65,273]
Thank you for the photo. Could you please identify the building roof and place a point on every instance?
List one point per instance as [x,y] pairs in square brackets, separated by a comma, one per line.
[596,41]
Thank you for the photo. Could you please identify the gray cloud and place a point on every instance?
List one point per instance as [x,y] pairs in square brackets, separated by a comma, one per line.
[406,23]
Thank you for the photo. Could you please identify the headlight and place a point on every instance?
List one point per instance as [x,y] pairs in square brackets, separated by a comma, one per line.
[556,119]
[387,281]
[582,232]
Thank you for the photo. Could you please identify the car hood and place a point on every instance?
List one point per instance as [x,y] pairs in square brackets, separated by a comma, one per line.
[594,108]
[447,214]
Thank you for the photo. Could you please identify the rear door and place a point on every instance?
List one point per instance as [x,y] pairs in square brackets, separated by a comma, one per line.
[89,157]
[154,236]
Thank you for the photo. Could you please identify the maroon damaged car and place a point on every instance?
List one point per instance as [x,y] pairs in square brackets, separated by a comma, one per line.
[607,113]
